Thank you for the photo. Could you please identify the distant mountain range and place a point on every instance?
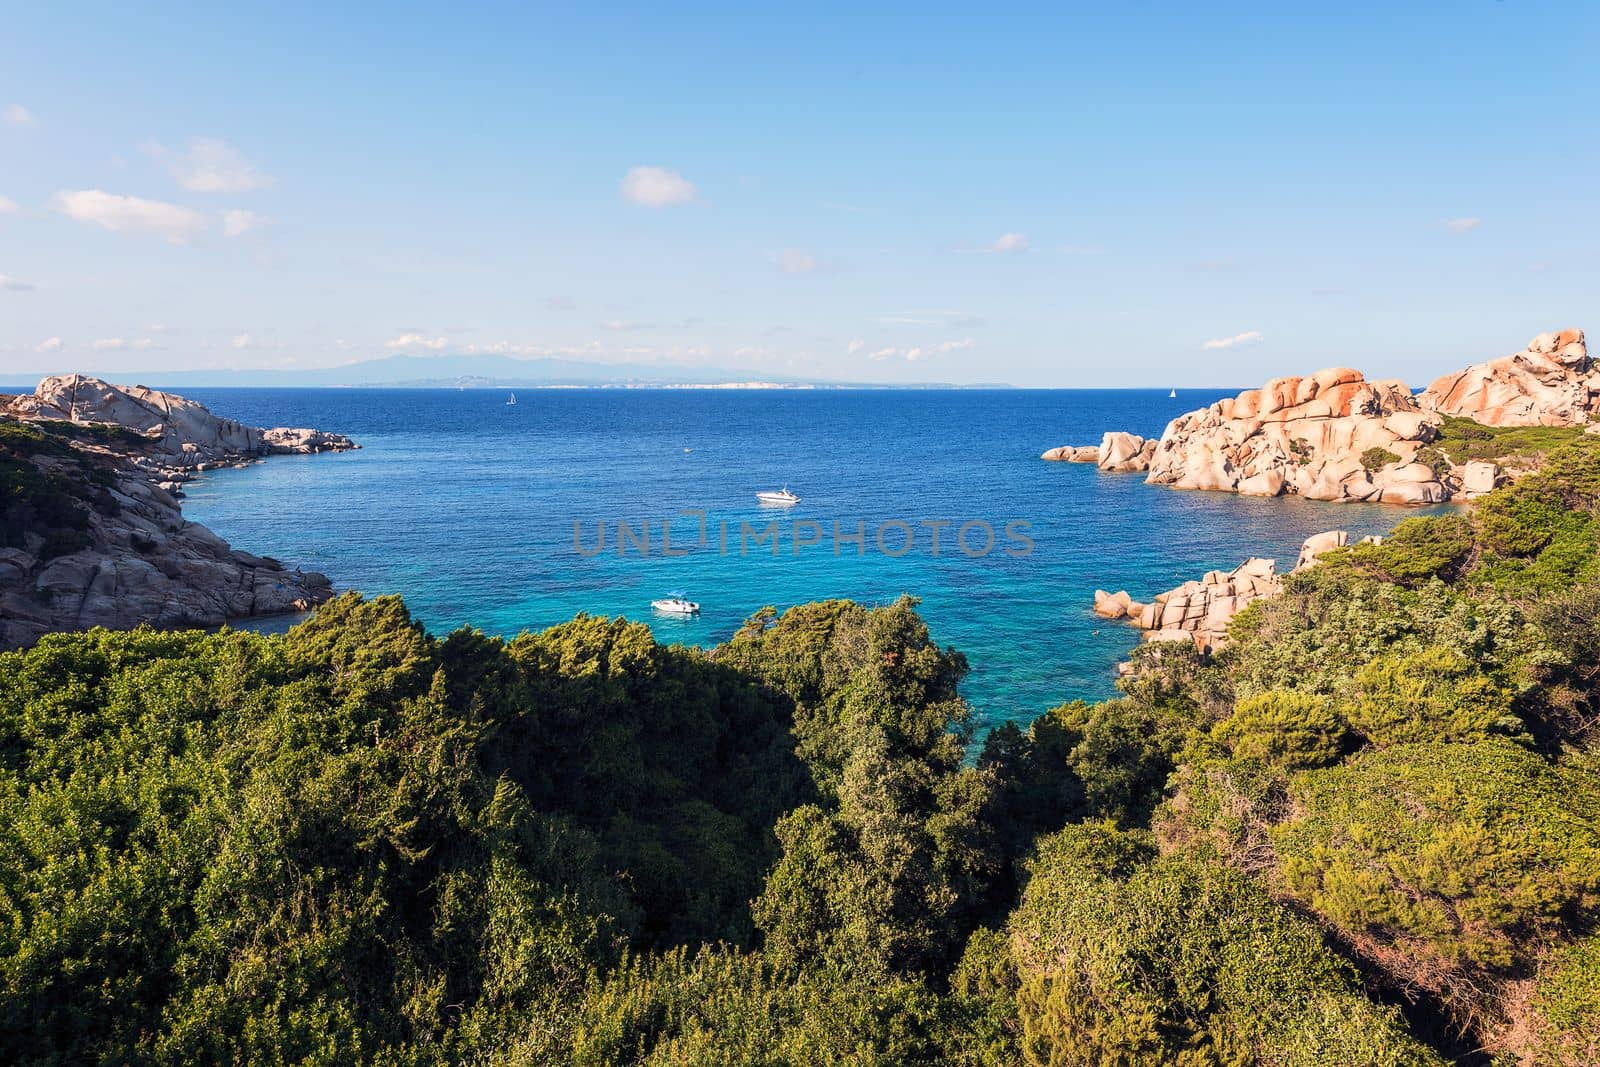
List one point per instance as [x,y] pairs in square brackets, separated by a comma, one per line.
[495,372]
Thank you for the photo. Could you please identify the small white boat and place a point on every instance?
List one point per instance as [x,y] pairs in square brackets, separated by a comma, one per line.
[512,400]
[1172,395]
[781,496]
[676,602]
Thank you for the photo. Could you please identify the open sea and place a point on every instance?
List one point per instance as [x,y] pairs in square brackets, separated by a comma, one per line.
[466,506]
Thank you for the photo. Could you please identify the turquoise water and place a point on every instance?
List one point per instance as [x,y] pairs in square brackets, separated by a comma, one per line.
[466,507]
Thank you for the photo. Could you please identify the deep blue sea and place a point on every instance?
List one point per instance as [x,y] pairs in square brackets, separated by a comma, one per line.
[466,507]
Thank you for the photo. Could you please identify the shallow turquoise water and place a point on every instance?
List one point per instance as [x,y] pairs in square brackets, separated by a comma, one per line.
[466,507]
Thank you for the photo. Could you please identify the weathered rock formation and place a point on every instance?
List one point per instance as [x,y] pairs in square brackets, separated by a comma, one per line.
[1330,436]
[1116,451]
[1125,452]
[184,437]
[1336,436]
[1552,382]
[1196,611]
[91,537]
[1073,454]
[1200,611]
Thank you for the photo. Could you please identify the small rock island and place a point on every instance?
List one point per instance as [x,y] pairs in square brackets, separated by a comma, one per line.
[91,531]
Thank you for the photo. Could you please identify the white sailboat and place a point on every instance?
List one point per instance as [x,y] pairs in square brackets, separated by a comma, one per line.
[1172,395]
[511,401]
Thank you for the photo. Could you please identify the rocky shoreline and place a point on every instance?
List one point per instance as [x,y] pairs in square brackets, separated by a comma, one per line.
[1199,611]
[1336,436]
[91,531]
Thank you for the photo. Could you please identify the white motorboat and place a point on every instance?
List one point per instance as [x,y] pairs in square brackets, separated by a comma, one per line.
[780,496]
[676,602]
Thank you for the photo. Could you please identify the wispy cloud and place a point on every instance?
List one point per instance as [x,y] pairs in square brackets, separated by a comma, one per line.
[1462,225]
[14,285]
[209,165]
[855,346]
[915,353]
[954,320]
[1249,337]
[8,206]
[1010,242]
[18,115]
[657,187]
[111,344]
[130,214]
[797,261]
[416,341]
[236,222]
[49,344]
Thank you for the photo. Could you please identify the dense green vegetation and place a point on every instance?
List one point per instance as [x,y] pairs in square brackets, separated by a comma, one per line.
[1365,831]
[1463,440]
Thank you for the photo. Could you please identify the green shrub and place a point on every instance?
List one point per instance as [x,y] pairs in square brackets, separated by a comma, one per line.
[1417,550]
[1376,458]
[1565,1008]
[1436,694]
[1125,958]
[1283,727]
[1444,864]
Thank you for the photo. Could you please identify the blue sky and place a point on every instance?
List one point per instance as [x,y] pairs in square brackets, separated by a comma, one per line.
[1087,198]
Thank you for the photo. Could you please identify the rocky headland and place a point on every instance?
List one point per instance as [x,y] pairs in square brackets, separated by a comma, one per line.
[1336,436]
[91,531]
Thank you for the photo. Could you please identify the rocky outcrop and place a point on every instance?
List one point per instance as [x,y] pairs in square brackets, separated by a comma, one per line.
[1125,452]
[144,564]
[1480,477]
[1552,382]
[1116,451]
[1073,454]
[94,535]
[183,436]
[1199,611]
[1315,545]
[1330,436]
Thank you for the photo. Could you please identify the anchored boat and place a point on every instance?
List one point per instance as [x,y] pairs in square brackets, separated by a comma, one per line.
[676,602]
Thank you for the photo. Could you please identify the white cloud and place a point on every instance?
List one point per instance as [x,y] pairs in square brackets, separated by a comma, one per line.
[8,206]
[130,214]
[109,344]
[1462,225]
[237,221]
[417,340]
[797,261]
[1010,242]
[855,346]
[50,344]
[209,165]
[14,285]
[657,187]
[1249,337]
[18,115]
[243,341]
[920,352]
